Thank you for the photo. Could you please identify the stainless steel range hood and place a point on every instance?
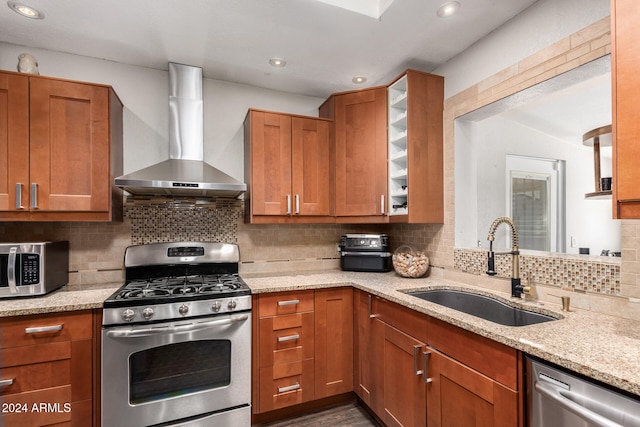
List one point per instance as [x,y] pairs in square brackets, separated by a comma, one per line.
[185,173]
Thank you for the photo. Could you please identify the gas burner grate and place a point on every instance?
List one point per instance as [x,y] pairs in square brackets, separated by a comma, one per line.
[181,286]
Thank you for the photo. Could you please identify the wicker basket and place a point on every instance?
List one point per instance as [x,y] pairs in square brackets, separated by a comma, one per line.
[408,262]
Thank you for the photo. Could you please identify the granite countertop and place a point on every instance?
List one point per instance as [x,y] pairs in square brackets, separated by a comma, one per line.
[602,347]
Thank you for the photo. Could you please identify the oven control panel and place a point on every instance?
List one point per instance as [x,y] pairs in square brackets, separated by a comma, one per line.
[175,310]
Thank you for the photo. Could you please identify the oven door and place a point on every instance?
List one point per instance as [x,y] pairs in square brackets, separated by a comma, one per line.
[169,371]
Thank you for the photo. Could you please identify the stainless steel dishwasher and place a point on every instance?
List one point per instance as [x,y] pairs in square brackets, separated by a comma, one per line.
[557,398]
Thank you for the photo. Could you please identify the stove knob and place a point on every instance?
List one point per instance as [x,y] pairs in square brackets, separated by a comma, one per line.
[232,304]
[128,315]
[183,309]
[216,306]
[147,313]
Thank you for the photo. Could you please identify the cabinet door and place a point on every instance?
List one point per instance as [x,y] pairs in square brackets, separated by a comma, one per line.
[69,146]
[460,396]
[368,370]
[361,152]
[626,114]
[270,163]
[310,146]
[405,390]
[334,342]
[14,142]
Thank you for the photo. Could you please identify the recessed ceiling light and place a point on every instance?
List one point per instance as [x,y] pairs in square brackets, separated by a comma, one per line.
[448,9]
[25,10]
[277,62]
[359,80]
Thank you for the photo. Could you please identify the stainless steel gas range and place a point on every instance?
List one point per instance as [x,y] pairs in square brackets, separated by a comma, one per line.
[176,339]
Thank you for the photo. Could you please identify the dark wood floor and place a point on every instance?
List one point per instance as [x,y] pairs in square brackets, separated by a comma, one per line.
[352,415]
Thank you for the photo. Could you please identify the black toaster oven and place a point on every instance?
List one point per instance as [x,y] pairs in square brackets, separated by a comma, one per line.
[365,252]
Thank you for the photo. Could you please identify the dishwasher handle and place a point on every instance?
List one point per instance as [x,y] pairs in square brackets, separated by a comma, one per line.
[561,397]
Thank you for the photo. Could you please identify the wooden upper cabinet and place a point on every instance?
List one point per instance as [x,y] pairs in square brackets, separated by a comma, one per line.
[287,168]
[361,154]
[416,174]
[73,152]
[625,62]
[14,141]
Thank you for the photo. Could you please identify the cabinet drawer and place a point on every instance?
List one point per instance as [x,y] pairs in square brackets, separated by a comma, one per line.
[405,319]
[46,328]
[285,303]
[20,379]
[285,339]
[486,356]
[28,368]
[37,408]
[286,384]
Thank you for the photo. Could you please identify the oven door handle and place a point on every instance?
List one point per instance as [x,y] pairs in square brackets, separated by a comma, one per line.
[179,329]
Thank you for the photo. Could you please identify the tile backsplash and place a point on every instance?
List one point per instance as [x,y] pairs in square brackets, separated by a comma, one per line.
[570,272]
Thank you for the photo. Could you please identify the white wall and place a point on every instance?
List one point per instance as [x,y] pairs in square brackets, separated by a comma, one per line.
[144,93]
[543,24]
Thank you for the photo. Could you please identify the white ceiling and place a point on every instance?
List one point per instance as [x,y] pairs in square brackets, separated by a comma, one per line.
[324,45]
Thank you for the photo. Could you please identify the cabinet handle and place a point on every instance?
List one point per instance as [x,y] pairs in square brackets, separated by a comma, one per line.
[297,204]
[7,382]
[289,338]
[34,195]
[416,351]
[296,386]
[19,196]
[42,329]
[290,302]
[382,204]
[371,315]
[288,204]
[425,357]
[11,270]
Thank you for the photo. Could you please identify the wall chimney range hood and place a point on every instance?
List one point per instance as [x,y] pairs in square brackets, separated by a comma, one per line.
[185,173]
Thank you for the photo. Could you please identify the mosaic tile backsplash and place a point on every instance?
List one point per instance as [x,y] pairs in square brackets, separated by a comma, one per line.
[175,221]
[571,272]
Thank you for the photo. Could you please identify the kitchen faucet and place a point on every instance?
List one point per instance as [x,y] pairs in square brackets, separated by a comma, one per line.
[516,287]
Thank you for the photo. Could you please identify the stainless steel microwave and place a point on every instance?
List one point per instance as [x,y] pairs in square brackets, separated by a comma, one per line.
[31,269]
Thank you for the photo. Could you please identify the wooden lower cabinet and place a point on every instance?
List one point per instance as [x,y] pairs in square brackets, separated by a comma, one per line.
[303,347]
[461,396]
[47,369]
[404,389]
[367,370]
[414,370]
[334,342]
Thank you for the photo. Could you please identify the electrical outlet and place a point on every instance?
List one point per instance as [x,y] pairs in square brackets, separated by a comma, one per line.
[574,242]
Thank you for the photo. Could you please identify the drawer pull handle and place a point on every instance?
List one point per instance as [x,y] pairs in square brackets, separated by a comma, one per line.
[42,329]
[371,315]
[290,302]
[289,338]
[427,378]
[296,386]
[7,382]
[416,350]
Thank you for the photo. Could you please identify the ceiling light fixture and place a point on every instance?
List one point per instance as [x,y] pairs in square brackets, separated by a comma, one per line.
[448,9]
[277,62]
[359,80]
[25,10]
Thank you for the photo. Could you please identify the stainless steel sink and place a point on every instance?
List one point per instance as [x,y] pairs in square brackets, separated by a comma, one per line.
[482,306]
